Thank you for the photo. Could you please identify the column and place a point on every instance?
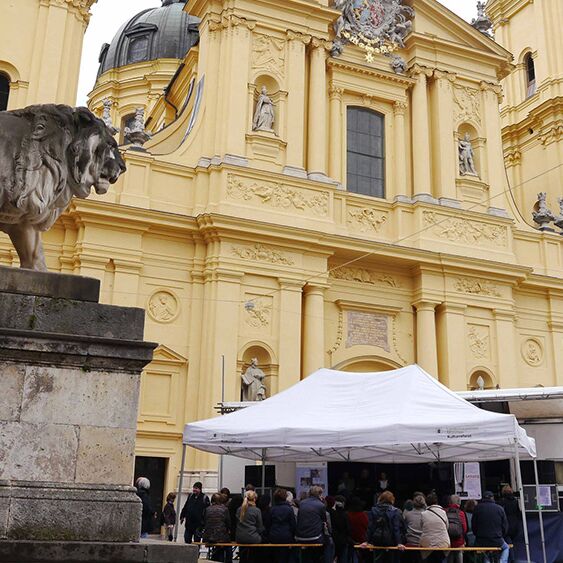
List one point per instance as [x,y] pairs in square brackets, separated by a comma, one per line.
[399,109]
[556,328]
[313,329]
[289,355]
[209,65]
[506,347]
[316,146]
[420,133]
[451,355]
[296,102]
[495,153]
[426,348]
[336,136]
[445,157]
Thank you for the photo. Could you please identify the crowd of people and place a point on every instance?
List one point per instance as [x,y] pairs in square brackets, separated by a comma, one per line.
[341,524]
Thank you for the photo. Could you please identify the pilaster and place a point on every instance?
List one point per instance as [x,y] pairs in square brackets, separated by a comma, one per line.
[507,349]
[297,43]
[289,354]
[451,351]
[336,133]
[443,147]
[399,109]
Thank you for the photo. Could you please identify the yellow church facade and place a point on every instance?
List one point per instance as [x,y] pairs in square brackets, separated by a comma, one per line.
[343,236]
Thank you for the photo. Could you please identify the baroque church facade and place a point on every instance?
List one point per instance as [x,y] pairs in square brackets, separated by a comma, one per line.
[347,232]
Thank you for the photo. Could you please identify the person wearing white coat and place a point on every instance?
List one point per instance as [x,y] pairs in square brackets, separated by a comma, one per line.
[434,530]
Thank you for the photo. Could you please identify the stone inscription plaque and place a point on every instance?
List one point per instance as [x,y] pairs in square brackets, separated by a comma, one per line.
[367,329]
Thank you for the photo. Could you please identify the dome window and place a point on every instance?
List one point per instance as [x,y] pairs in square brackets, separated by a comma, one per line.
[4,91]
[138,50]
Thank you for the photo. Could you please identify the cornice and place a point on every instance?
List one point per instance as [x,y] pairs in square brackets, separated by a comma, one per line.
[342,64]
[82,7]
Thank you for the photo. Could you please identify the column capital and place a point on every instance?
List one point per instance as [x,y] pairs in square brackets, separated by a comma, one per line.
[299,37]
[505,315]
[335,92]
[315,288]
[400,107]
[418,71]
[425,305]
[454,308]
[291,285]
[445,75]
[318,43]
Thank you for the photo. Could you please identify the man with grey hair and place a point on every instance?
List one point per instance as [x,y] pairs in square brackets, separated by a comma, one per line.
[311,523]
[457,528]
[143,485]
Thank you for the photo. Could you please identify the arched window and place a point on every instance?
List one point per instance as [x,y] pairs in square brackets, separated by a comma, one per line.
[138,50]
[4,91]
[530,69]
[365,152]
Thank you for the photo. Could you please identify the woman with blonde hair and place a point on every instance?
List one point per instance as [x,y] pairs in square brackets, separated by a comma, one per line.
[249,526]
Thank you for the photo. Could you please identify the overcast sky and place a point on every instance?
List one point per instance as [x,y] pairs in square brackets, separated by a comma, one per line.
[109,15]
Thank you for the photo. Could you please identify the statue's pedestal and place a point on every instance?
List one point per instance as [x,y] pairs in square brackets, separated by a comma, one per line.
[70,373]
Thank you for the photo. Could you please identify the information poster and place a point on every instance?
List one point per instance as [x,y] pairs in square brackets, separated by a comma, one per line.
[307,475]
[468,481]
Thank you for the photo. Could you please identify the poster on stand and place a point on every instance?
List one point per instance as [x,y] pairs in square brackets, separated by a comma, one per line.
[467,477]
[307,475]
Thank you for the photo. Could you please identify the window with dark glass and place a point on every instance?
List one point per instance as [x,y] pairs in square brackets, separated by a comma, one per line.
[138,50]
[530,75]
[365,152]
[4,91]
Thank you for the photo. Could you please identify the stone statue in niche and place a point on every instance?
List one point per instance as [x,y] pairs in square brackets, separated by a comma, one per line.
[467,157]
[253,388]
[264,115]
[48,154]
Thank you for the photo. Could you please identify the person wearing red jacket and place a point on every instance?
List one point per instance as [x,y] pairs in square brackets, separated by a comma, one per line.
[455,508]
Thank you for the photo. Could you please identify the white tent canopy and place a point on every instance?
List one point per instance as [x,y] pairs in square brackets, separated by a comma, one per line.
[399,416]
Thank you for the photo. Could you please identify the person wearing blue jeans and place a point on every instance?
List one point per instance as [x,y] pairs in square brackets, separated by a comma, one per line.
[490,526]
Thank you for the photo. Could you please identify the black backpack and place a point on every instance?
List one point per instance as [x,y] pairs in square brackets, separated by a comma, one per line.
[382,535]
[455,527]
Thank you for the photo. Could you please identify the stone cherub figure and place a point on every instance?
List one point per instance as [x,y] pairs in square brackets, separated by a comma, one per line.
[253,388]
[49,154]
[467,157]
[264,116]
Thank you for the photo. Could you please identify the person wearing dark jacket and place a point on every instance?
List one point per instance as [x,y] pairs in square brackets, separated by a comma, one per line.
[513,514]
[217,524]
[169,516]
[341,530]
[311,523]
[490,525]
[386,520]
[147,514]
[193,514]
[282,526]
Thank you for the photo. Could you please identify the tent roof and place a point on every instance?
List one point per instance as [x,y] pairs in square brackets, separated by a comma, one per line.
[399,416]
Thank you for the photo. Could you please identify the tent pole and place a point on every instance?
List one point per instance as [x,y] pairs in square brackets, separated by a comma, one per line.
[179,497]
[540,509]
[264,471]
[521,497]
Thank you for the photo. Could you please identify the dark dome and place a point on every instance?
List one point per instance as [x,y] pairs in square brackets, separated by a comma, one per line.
[158,33]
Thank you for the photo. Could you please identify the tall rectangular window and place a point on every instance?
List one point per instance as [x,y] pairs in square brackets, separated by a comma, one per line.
[365,152]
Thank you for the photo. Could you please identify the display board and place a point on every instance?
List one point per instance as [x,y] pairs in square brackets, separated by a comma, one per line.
[548,498]
[307,475]
[467,477]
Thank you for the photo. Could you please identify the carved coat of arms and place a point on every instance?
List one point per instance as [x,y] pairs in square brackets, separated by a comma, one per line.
[376,26]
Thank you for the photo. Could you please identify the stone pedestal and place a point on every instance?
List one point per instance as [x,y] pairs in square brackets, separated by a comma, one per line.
[69,372]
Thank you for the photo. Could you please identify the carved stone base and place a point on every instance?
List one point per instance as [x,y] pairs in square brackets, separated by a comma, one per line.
[266,148]
[90,552]
[473,192]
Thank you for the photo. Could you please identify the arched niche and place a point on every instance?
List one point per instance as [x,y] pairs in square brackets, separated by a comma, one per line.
[266,362]
[367,364]
[4,91]
[277,96]
[478,144]
[487,376]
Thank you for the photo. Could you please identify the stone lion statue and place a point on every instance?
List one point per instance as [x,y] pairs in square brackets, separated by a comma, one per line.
[48,154]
